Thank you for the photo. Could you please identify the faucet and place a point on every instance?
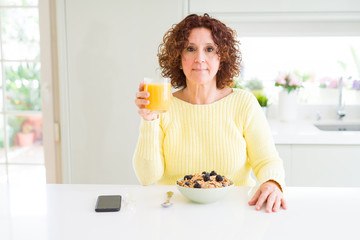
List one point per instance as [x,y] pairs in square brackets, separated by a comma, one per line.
[340,110]
[318,116]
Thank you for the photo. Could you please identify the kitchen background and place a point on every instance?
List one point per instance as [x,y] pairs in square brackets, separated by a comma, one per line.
[95,53]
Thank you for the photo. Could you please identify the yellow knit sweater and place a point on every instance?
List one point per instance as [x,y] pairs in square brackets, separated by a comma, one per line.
[230,136]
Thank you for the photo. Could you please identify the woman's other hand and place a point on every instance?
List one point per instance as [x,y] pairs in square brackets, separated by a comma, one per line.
[270,193]
[141,101]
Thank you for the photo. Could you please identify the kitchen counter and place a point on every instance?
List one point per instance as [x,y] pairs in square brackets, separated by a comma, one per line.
[304,132]
[67,212]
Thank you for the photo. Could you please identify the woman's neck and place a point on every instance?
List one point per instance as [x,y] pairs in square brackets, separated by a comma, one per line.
[202,94]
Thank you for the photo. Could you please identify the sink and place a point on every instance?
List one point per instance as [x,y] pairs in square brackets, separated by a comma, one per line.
[338,126]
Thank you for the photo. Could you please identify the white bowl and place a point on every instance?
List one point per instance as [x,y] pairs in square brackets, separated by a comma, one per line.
[204,195]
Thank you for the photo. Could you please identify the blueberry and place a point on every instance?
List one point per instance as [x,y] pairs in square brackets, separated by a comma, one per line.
[195,181]
[187,183]
[186,177]
[203,172]
[190,176]
[213,173]
[197,185]
[206,178]
[222,185]
[219,178]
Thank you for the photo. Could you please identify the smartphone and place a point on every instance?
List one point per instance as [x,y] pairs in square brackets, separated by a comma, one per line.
[108,203]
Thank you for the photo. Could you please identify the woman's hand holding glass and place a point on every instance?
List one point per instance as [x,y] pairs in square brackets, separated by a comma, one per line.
[141,101]
[153,98]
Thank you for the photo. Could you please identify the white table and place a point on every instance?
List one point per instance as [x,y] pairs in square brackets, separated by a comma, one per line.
[67,212]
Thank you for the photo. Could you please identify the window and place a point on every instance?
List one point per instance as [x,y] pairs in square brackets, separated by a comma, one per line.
[21,145]
[321,61]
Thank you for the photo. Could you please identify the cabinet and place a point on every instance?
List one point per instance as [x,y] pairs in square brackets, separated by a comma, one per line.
[285,154]
[321,165]
[284,18]
[275,6]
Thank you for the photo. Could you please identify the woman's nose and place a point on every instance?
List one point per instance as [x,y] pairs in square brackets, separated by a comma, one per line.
[200,57]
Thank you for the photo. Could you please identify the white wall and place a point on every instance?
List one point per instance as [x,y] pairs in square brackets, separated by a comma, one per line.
[105,49]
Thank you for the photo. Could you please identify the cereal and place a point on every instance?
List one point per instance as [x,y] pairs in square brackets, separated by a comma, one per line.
[204,180]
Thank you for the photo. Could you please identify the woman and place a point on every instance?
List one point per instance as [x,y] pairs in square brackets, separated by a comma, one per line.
[209,126]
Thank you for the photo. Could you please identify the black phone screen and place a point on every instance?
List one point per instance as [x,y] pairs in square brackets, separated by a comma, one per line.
[108,203]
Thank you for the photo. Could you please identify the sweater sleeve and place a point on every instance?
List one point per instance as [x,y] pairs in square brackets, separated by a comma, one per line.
[262,154]
[148,160]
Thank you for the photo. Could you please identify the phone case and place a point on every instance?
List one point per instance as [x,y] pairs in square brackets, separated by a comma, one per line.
[108,203]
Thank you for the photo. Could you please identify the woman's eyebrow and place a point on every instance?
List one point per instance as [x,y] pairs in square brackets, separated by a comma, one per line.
[209,43]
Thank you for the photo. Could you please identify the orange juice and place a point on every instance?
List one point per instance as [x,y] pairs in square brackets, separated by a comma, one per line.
[160,95]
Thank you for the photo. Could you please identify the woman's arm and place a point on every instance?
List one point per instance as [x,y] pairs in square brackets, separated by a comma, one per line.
[262,154]
[264,160]
[148,160]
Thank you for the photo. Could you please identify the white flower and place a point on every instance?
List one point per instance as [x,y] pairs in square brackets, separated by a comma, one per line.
[294,80]
[281,79]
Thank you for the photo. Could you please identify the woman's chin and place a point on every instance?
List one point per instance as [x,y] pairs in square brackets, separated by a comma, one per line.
[202,80]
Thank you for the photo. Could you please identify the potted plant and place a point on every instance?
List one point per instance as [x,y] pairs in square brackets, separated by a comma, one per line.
[26,136]
[23,94]
[290,83]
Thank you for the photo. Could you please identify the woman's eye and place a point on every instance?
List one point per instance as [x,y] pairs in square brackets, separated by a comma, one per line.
[210,49]
[190,49]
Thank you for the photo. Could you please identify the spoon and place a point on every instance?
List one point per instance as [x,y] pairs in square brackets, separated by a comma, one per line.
[167,203]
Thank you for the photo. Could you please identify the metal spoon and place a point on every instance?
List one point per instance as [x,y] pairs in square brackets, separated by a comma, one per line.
[167,203]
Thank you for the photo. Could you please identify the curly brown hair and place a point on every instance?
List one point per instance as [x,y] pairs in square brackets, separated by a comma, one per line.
[176,40]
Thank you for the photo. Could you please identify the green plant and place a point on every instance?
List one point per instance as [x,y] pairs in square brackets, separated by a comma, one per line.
[10,131]
[27,127]
[239,83]
[262,99]
[13,127]
[23,87]
[254,84]
[353,82]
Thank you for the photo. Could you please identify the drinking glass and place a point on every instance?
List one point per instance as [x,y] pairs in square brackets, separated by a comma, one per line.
[160,94]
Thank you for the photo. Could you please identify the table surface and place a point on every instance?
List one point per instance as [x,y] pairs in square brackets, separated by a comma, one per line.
[67,212]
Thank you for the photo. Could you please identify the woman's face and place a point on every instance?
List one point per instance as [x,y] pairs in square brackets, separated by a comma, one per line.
[199,59]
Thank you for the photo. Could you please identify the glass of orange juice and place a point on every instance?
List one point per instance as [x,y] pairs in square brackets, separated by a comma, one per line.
[160,94]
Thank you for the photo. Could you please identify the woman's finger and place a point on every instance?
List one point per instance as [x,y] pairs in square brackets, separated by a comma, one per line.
[141,86]
[261,200]
[142,94]
[277,204]
[141,103]
[283,203]
[270,202]
[254,198]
